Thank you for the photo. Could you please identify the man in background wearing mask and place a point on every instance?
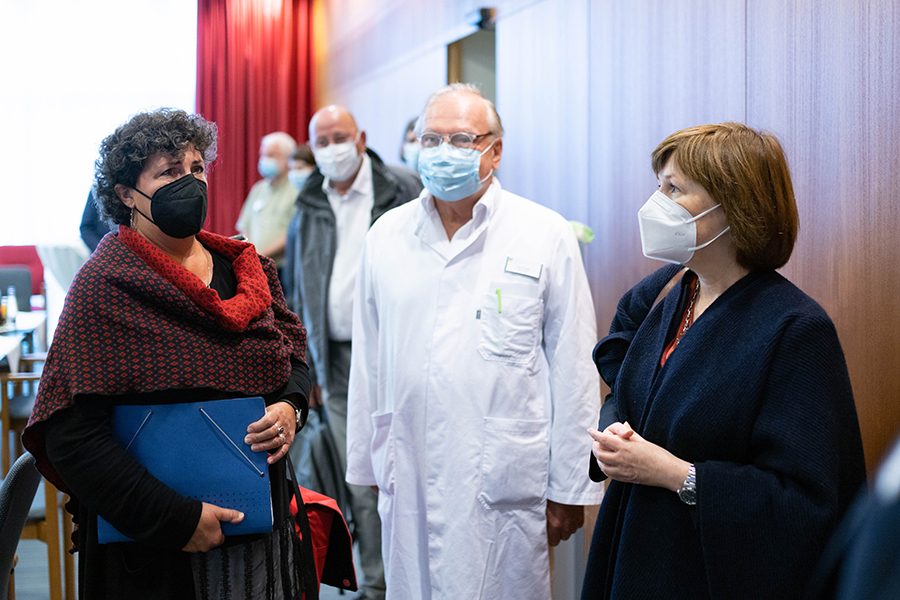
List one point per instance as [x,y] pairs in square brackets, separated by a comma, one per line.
[471,384]
[301,165]
[410,148]
[349,189]
[268,209]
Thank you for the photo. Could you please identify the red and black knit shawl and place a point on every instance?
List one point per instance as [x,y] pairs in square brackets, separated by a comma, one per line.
[135,321]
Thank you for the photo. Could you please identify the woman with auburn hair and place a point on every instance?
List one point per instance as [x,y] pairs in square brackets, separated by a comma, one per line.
[730,435]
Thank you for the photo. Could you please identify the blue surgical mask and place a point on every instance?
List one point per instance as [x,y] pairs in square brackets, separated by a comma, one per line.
[298,177]
[268,167]
[451,174]
[411,152]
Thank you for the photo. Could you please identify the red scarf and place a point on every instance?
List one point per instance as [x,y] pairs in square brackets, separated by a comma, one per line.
[135,321]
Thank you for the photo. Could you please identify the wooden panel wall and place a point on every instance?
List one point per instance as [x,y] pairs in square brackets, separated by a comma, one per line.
[542,98]
[384,105]
[655,67]
[824,76]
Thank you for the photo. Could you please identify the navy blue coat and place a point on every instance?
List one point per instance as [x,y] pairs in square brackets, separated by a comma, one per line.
[862,559]
[758,397]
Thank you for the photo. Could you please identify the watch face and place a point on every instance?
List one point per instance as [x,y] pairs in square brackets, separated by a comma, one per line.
[688,495]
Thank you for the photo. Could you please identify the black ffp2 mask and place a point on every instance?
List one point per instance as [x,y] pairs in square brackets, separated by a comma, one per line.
[179,207]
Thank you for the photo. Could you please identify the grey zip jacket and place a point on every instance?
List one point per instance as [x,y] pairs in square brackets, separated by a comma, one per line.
[312,244]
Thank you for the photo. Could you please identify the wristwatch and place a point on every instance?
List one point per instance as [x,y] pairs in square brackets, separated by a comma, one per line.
[298,415]
[688,491]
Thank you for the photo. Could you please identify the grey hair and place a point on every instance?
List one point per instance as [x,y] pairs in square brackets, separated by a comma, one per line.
[496,127]
[284,141]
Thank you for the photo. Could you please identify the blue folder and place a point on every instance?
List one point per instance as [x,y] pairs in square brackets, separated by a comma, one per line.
[198,450]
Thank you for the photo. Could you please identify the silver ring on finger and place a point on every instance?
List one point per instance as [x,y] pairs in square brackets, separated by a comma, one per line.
[283,439]
[280,430]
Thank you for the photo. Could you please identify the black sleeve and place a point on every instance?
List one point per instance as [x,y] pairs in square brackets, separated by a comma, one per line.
[609,352]
[109,482]
[296,390]
[92,228]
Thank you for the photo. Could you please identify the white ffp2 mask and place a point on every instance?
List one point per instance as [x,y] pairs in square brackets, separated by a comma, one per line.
[668,231]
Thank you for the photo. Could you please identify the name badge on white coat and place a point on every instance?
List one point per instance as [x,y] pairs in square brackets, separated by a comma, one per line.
[521,266]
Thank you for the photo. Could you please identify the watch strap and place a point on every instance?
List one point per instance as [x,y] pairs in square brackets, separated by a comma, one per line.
[688,491]
[298,415]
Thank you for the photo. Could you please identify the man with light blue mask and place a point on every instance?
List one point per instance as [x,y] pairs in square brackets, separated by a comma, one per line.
[269,207]
[347,191]
[301,165]
[471,384]
[410,148]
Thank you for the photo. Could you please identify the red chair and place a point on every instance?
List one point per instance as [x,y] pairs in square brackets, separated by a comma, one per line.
[27,256]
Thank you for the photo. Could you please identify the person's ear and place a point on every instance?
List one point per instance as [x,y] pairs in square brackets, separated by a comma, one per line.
[498,150]
[125,194]
[361,145]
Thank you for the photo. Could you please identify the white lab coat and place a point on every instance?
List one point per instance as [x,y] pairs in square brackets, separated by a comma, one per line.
[468,408]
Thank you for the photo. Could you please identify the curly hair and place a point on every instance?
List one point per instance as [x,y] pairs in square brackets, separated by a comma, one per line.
[124,153]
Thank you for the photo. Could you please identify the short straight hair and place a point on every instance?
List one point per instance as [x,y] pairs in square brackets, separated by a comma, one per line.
[282,140]
[745,171]
[496,127]
[305,154]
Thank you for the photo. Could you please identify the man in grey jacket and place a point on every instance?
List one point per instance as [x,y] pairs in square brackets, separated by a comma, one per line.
[350,188]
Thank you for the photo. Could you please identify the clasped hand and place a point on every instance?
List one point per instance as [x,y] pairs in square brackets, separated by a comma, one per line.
[274,432]
[627,457]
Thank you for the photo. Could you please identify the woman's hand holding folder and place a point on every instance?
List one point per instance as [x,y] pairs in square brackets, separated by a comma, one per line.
[208,534]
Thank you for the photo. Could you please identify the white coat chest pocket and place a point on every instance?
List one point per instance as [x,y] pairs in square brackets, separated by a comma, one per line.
[510,327]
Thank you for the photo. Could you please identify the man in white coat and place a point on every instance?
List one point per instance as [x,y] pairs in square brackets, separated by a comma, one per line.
[471,385]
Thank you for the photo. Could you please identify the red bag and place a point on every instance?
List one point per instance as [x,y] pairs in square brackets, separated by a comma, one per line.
[331,541]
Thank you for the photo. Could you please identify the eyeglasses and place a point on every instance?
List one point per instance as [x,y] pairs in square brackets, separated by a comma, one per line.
[460,139]
[337,138]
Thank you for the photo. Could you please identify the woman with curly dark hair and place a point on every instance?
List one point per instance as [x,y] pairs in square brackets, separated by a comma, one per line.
[164,313]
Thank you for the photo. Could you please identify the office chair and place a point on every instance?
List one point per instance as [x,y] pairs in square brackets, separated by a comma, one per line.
[16,495]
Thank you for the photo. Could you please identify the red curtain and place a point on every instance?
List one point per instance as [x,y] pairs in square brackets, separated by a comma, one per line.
[254,76]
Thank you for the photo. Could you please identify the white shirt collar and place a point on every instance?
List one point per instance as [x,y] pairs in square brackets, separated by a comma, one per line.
[430,228]
[480,212]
